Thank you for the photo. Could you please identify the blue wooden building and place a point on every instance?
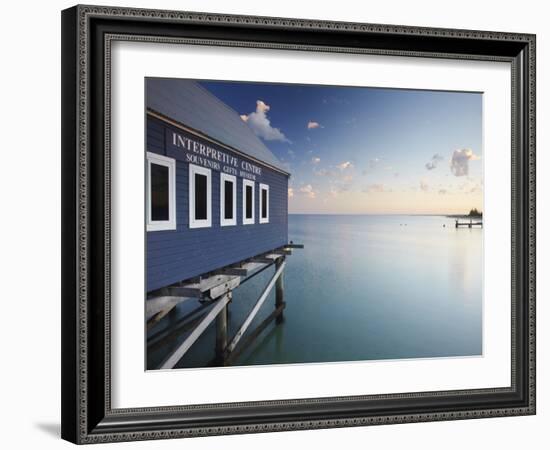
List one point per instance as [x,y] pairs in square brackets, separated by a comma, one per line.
[215,194]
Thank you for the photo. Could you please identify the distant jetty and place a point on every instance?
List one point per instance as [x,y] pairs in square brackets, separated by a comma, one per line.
[468,224]
[473,219]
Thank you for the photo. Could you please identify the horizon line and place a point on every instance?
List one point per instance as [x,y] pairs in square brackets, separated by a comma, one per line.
[377,214]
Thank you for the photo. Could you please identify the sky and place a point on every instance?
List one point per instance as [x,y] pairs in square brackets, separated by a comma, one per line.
[362,150]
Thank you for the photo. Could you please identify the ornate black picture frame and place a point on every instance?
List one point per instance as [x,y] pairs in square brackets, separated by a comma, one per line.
[87,34]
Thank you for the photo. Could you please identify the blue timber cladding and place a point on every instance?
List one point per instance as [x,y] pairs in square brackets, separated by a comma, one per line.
[176,255]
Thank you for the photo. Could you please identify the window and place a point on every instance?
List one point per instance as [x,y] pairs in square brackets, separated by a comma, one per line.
[200,197]
[161,193]
[248,202]
[264,203]
[228,200]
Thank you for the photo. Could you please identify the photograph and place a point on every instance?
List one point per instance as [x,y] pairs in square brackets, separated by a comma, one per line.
[305,223]
[280,222]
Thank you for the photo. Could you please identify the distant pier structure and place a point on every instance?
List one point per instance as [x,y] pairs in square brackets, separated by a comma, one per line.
[216,216]
[477,222]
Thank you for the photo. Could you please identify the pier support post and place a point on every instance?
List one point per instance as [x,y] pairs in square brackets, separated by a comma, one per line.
[221,332]
[279,289]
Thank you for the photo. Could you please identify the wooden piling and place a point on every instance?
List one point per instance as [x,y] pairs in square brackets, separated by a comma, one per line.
[173,359]
[221,332]
[252,314]
[279,291]
[213,292]
[246,343]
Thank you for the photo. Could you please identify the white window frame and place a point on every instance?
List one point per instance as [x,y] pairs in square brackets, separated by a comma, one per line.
[264,187]
[162,225]
[202,223]
[233,179]
[248,183]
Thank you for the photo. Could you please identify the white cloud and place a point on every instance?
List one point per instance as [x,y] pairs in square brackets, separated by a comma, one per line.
[468,186]
[340,173]
[261,125]
[308,190]
[290,192]
[312,125]
[315,160]
[374,162]
[345,165]
[347,178]
[460,161]
[337,188]
[432,164]
[475,189]
[286,165]
[323,172]
[424,186]
[376,187]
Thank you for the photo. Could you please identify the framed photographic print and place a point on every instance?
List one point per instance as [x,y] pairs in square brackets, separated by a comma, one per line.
[280,224]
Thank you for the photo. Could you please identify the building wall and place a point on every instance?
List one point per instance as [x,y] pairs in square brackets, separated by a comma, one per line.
[176,255]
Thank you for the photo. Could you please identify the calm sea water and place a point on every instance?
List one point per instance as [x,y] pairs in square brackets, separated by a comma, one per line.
[364,288]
